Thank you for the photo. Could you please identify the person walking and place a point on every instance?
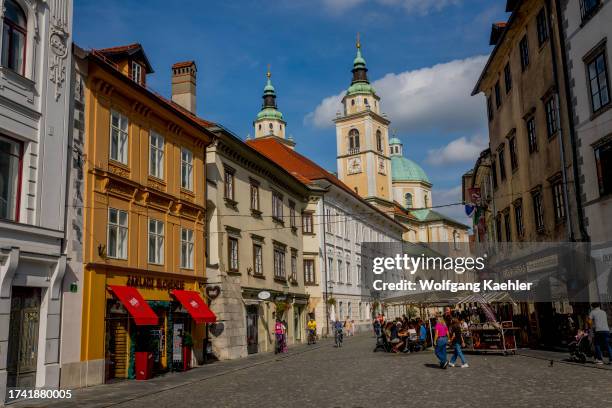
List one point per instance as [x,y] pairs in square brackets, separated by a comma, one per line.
[599,322]
[440,341]
[377,327]
[458,343]
[347,326]
[278,331]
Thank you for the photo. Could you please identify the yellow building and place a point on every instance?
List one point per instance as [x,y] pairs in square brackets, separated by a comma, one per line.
[143,219]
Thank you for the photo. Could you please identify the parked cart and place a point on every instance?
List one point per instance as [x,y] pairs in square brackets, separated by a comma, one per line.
[491,337]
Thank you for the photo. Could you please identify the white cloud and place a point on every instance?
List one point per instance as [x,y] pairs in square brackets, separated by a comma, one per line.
[461,150]
[420,7]
[432,98]
[340,5]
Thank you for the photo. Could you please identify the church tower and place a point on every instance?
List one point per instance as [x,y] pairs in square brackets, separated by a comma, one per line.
[269,121]
[362,135]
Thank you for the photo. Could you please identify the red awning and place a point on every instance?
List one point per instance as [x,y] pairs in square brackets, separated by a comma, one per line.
[138,307]
[195,305]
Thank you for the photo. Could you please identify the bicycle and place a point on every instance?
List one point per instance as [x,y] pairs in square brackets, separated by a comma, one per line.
[339,338]
[312,336]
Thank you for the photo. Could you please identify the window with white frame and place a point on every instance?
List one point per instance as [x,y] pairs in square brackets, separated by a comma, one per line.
[309,273]
[330,269]
[156,155]
[328,220]
[119,138]
[257,259]
[277,206]
[186,169]
[340,271]
[597,72]
[232,254]
[186,248]
[228,181]
[254,195]
[137,72]
[117,235]
[307,223]
[558,201]
[156,242]
[349,273]
[294,259]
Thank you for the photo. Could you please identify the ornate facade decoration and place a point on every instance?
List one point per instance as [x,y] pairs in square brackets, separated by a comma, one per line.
[58,44]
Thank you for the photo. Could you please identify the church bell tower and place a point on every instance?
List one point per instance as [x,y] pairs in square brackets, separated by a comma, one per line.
[269,121]
[362,138]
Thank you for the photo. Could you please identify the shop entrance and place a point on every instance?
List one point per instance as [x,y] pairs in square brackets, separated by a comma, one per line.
[181,328]
[297,323]
[252,318]
[23,337]
[117,351]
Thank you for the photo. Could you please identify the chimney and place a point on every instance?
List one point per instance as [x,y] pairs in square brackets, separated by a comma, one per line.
[184,85]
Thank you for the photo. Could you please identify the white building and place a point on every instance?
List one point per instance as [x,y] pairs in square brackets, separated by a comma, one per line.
[34,99]
[587,32]
[348,221]
[334,225]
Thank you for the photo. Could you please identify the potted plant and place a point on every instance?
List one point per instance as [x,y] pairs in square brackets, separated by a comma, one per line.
[280,307]
[187,345]
[331,301]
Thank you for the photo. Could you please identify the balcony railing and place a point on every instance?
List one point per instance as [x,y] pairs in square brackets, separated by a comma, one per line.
[353,150]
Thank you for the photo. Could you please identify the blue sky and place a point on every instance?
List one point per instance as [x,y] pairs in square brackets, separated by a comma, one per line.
[423,57]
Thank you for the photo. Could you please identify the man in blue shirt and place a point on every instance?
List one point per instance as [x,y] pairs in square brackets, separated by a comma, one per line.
[422,334]
[338,331]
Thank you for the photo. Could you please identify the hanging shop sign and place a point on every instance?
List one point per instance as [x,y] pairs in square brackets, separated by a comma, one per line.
[154,283]
[264,295]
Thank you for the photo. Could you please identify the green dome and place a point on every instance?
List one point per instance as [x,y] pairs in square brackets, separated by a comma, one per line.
[360,87]
[359,60]
[269,88]
[269,113]
[403,169]
[394,141]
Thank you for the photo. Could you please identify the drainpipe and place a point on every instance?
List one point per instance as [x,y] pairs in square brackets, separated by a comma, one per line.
[324,231]
[568,222]
[572,131]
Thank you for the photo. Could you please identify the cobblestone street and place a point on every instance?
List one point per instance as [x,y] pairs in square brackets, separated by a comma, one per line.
[354,376]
